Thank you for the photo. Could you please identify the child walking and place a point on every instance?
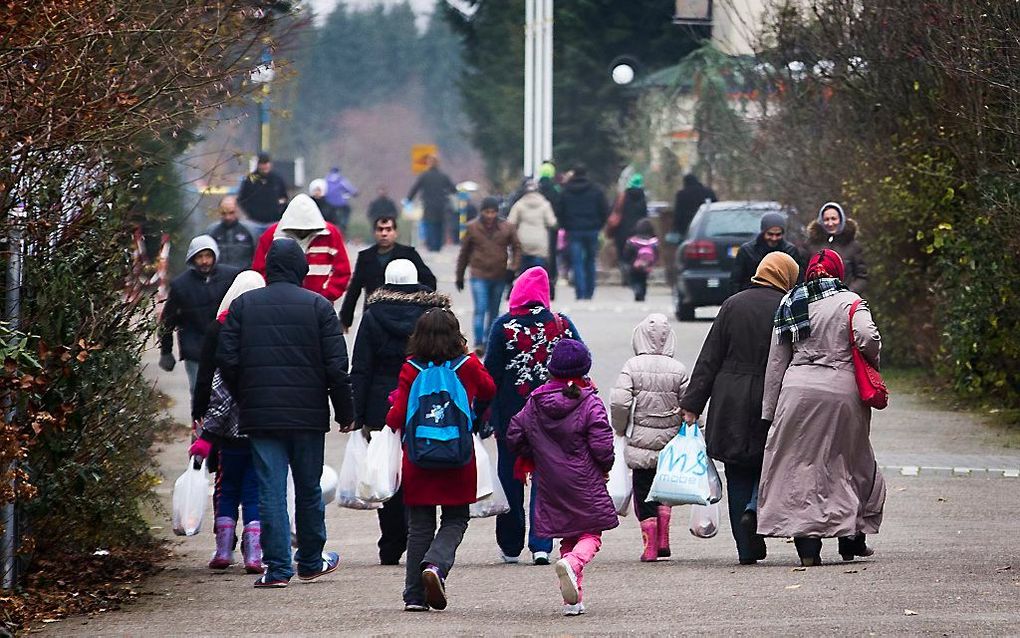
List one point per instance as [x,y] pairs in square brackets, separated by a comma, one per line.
[436,341]
[645,404]
[564,431]
[641,253]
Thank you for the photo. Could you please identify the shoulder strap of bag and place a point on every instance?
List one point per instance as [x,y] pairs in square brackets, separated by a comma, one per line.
[455,364]
[561,326]
[853,309]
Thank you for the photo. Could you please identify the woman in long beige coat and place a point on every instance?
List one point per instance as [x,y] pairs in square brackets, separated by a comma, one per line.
[819,477]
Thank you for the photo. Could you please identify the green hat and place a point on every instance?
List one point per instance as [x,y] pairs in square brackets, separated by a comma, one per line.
[637,180]
[547,169]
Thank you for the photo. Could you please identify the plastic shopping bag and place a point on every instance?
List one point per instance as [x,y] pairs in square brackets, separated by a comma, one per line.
[705,520]
[347,481]
[191,491]
[379,474]
[620,485]
[483,469]
[495,503]
[682,476]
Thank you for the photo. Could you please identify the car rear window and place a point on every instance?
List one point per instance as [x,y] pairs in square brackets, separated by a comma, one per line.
[738,221]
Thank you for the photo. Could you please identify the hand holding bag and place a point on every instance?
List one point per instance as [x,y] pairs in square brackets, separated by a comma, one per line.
[191,491]
[683,475]
[870,385]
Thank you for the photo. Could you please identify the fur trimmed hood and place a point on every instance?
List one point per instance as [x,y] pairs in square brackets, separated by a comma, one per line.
[397,307]
[421,297]
[817,235]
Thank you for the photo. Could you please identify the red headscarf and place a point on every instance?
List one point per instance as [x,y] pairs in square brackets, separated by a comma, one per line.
[825,263]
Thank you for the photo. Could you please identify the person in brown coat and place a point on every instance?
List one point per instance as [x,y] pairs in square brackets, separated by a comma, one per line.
[835,231]
[490,246]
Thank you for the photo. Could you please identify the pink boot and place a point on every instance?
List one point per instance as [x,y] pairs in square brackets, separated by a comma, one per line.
[226,539]
[649,534]
[663,524]
[251,547]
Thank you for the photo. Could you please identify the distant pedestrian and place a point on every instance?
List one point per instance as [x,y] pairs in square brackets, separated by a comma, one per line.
[436,188]
[731,371]
[533,217]
[436,341]
[382,206]
[234,239]
[819,475]
[835,231]
[645,407]
[263,195]
[772,238]
[551,191]
[329,269]
[493,251]
[639,256]
[633,209]
[380,350]
[317,191]
[564,431]
[370,268]
[191,305]
[687,202]
[582,214]
[520,344]
[339,192]
[283,358]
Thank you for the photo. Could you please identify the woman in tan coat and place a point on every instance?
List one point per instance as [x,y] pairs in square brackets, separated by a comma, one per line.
[819,476]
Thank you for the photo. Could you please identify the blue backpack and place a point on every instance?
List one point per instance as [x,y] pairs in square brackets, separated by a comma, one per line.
[437,432]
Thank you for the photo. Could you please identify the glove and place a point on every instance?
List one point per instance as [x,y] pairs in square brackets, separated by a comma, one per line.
[200,448]
[510,277]
[484,429]
[366,432]
[167,362]
[460,285]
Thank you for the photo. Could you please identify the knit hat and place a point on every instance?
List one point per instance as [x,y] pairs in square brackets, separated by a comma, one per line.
[531,288]
[489,203]
[838,209]
[401,271]
[637,180]
[200,243]
[777,270]
[547,170]
[570,359]
[773,219]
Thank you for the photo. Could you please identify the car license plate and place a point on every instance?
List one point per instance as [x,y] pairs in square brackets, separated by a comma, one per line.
[713,283]
[734,250]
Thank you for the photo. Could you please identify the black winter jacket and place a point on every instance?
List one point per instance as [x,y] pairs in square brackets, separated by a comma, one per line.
[750,255]
[369,275]
[190,306]
[236,244]
[260,196]
[282,353]
[583,206]
[436,188]
[382,206]
[687,202]
[731,370]
[380,349]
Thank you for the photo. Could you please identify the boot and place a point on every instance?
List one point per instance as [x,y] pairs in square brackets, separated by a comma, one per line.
[663,529]
[251,547]
[226,539]
[853,546]
[650,535]
[809,550]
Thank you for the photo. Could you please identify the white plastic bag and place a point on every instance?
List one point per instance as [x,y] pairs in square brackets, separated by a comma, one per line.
[379,475]
[190,493]
[704,520]
[483,469]
[620,485]
[347,481]
[327,483]
[683,473]
[495,503]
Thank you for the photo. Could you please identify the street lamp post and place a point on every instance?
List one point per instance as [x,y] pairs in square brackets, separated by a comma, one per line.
[263,76]
[538,73]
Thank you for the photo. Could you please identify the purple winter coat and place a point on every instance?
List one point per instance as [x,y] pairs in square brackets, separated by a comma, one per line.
[571,444]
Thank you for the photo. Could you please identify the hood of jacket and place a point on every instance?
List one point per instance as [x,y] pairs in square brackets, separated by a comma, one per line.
[302,214]
[286,262]
[245,281]
[578,184]
[200,243]
[818,235]
[556,405]
[397,307]
[531,288]
[654,335]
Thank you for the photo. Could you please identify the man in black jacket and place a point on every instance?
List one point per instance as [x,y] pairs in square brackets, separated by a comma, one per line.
[263,195]
[435,187]
[371,265]
[382,206]
[237,245]
[770,239]
[582,213]
[284,358]
[688,200]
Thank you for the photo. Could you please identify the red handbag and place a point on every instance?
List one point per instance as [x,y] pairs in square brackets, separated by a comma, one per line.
[870,385]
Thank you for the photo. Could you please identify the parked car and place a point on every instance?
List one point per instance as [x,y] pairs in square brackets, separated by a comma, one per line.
[705,257]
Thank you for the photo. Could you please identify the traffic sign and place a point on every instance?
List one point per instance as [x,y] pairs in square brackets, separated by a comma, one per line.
[419,156]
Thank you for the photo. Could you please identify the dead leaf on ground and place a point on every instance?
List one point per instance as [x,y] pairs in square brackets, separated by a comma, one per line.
[909,612]
[799,569]
[49,620]
[793,587]
[850,571]
[1004,568]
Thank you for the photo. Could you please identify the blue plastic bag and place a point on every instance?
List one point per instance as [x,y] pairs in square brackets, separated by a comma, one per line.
[684,474]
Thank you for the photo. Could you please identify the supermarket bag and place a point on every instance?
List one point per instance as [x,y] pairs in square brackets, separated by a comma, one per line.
[347,481]
[704,520]
[683,473]
[191,491]
[620,485]
[379,474]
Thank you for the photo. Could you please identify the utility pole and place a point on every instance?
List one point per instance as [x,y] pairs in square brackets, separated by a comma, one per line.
[12,314]
[538,72]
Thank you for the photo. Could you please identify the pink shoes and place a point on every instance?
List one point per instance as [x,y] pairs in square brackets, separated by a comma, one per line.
[226,539]
[251,548]
[663,529]
[650,535]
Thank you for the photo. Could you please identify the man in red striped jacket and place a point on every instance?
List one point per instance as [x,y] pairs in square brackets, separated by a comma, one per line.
[329,269]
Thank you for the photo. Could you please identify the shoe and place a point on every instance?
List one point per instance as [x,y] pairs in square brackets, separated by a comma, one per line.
[251,547]
[809,550]
[226,539]
[662,525]
[568,582]
[650,536]
[540,558]
[264,582]
[330,561]
[748,561]
[509,560]
[389,561]
[749,524]
[415,607]
[435,587]
[852,546]
[573,610]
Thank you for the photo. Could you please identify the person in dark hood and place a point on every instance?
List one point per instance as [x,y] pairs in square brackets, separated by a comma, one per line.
[283,357]
[835,231]
[687,202]
[770,239]
[582,214]
[380,350]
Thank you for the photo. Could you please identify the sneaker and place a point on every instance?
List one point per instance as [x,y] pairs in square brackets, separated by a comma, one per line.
[573,610]
[540,558]
[265,582]
[510,560]
[415,607]
[435,587]
[568,582]
[330,561]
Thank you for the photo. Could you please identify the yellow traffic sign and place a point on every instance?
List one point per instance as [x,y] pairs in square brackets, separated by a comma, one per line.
[419,156]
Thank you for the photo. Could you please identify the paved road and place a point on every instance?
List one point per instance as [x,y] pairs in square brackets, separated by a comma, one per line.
[947,552]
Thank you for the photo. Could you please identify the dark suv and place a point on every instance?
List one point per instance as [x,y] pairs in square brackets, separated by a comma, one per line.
[705,258]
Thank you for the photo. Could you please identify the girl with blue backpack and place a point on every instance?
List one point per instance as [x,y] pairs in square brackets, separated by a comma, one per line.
[432,408]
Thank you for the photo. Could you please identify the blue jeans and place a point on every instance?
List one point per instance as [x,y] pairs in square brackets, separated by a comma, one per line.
[510,526]
[487,294]
[237,485]
[530,261]
[302,451]
[742,496]
[584,247]
[433,234]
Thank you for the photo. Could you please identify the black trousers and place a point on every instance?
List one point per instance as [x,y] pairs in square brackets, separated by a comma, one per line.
[393,529]
[642,480]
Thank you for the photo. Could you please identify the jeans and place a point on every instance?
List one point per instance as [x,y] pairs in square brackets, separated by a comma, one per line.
[642,482]
[578,551]
[530,261]
[343,216]
[392,529]
[510,526]
[427,546]
[584,247]
[433,234]
[302,451]
[487,294]
[191,368]
[236,485]
[454,227]
[742,496]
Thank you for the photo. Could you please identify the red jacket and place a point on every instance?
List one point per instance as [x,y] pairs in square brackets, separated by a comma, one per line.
[454,486]
[329,269]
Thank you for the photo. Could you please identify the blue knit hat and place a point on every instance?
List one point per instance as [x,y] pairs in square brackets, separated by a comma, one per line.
[570,359]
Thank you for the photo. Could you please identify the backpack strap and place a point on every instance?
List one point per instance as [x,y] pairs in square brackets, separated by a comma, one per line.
[455,364]
[417,366]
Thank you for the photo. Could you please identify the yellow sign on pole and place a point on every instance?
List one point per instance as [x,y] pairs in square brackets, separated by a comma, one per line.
[419,156]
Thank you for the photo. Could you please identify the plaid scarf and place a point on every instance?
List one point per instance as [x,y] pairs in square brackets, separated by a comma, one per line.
[791,322]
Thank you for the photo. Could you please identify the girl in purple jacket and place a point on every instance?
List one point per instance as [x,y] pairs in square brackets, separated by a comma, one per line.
[564,431]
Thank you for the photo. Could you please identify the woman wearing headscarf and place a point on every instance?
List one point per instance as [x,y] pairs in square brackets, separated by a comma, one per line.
[520,343]
[819,475]
[837,232]
[731,371]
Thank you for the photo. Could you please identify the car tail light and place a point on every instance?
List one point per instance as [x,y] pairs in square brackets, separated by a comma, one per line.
[700,250]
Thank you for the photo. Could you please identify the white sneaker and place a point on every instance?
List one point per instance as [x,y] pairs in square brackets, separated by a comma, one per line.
[568,582]
[540,558]
[510,560]
[573,610]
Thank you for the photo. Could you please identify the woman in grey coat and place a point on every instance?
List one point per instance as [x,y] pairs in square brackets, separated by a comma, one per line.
[819,476]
